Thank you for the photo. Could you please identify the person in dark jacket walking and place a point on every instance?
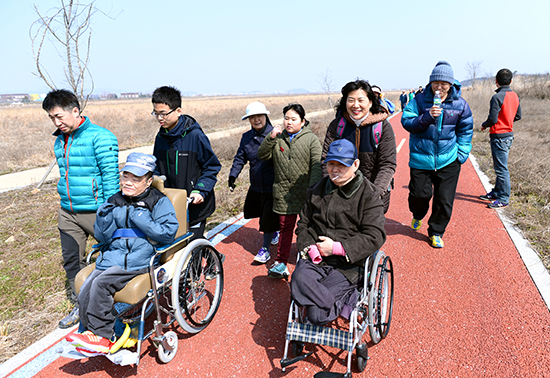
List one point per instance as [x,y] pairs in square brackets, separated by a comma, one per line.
[403,99]
[126,224]
[87,157]
[185,157]
[505,109]
[341,224]
[362,120]
[440,142]
[259,199]
[296,154]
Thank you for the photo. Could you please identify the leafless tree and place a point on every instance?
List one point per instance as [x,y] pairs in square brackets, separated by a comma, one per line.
[326,85]
[474,70]
[68,28]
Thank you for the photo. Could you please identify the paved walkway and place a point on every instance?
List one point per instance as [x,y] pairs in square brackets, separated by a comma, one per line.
[471,309]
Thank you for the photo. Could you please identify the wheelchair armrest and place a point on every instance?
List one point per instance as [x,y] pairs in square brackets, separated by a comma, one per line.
[162,248]
[96,248]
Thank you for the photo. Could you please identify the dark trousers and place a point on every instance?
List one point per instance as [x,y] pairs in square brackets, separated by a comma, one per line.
[74,229]
[323,291]
[197,230]
[286,227]
[441,184]
[95,299]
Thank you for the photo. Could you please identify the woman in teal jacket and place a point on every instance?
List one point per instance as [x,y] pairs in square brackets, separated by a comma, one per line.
[440,141]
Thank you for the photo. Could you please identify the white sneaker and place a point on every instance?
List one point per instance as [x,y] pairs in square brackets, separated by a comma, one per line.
[275,239]
[262,256]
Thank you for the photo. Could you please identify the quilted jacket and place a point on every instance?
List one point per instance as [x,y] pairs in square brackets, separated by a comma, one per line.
[436,143]
[297,166]
[88,167]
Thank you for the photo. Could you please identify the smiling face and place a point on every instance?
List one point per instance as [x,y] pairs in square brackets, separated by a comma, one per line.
[167,117]
[341,174]
[293,123]
[257,121]
[133,185]
[358,104]
[443,87]
[65,121]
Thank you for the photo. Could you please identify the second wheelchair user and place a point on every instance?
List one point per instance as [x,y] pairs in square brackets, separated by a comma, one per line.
[126,224]
[341,224]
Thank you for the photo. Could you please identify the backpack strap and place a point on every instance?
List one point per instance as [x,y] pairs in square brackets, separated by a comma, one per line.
[377,134]
[340,127]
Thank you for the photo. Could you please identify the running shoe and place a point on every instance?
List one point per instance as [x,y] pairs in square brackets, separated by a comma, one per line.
[496,204]
[275,239]
[89,353]
[416,224]
[262,256]
[278,270]
[91,342]
[436,241]
[488,197]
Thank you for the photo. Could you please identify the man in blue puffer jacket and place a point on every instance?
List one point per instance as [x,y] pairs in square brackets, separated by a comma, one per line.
[126,224]
[440,142]
[87,156]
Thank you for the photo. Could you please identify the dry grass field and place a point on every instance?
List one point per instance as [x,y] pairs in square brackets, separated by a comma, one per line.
[32,284]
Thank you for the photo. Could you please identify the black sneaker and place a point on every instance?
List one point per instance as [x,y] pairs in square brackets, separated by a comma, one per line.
[70,320]
[488,197]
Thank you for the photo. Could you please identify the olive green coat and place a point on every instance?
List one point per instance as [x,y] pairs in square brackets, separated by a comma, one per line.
[297,167]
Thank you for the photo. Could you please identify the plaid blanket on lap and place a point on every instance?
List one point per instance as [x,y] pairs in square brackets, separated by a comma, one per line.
[310,333]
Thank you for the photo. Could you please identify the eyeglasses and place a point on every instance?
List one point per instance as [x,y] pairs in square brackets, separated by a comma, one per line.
[161,115]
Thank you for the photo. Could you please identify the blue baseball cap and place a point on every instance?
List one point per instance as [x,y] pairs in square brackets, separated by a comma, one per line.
[139,164]
[343,151]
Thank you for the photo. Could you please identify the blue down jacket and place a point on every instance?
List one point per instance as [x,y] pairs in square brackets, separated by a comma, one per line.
[262,173]
[151,212]
[88,167]
[436,143]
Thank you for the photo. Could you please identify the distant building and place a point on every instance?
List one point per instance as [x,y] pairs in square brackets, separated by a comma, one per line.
[11,98]
[129,95]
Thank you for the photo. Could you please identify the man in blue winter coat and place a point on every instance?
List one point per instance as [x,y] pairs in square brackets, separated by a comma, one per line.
[126,224]
[185,157]
[87,156]
[440,142]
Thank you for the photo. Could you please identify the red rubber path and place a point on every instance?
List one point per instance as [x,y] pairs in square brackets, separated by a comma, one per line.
[467,310]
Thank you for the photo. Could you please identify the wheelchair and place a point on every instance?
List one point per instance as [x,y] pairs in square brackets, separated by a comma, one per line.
[373,310]
[186,287]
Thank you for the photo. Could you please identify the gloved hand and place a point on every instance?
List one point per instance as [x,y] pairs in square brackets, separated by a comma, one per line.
[231,183]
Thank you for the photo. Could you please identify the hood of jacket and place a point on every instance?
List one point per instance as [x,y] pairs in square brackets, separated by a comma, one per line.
[454,92]
[185,124]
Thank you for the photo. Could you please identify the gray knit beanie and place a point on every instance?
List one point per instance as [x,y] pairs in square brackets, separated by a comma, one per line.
[442,72]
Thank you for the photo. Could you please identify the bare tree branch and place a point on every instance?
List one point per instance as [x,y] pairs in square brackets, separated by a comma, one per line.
[326,85]
[68,28]
[474,69]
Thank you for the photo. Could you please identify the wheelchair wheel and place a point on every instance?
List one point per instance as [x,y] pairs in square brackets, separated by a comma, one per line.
[380,297]
[197,290]
[164,355]
[362,356]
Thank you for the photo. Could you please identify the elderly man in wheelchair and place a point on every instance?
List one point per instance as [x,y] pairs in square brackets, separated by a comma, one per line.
[340,231]
[127,225]
[341,224]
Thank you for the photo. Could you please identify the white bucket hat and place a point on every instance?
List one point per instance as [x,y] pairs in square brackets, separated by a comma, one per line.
[255,108]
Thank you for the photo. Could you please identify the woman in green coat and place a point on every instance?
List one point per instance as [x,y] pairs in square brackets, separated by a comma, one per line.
[296,154]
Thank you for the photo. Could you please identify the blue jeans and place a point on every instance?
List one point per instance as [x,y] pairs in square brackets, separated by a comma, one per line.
[500,148]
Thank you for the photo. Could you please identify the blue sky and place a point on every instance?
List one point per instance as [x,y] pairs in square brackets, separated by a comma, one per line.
[222,47]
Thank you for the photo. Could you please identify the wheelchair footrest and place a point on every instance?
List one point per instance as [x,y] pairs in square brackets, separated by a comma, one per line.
[310,333]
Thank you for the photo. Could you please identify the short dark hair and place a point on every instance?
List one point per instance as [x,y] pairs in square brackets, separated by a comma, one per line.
[353,86]
[62,98]
[167,95]
[298,109]
[504,76]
